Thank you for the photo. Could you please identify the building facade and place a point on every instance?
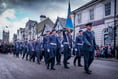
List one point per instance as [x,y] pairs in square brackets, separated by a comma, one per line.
[30,30]
[21,34]
[5,36]
[43,26]
[101,14]
[14,38]
[59,24]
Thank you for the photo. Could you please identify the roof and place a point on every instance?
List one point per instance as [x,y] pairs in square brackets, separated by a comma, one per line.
[89,4]
[62,21]
[31,23]
[41,25]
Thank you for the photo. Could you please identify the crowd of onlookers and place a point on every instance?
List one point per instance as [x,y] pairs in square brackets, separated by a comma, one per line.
[106,51]
[6,48]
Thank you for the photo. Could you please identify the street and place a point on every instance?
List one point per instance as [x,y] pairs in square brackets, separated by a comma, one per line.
[16,68]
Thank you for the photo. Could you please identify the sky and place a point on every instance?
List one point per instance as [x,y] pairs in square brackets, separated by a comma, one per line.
[15,13]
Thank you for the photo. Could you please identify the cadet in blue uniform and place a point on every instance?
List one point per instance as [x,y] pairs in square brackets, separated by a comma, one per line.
[32,54]
[59,48]
[25,46]
[67,42]
[46,46]
[53,47]
[38,48]
[14,47]
[28,54]
[17,47]
[89,47]
[78,48]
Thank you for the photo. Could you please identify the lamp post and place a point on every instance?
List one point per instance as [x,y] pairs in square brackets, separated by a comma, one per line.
[116,53]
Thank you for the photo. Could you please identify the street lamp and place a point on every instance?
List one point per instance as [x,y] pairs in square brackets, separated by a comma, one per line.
[116,53]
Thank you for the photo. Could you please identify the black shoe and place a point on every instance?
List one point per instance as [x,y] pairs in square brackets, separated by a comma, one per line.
[80,65]
[68,63]
[38,63]
[53,69]
[47,67]
[58,64]
[66,67]
[74,64]
[88,72]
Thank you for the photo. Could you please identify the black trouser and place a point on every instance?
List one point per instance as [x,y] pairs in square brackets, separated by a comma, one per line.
[88,59]
[58,56]
[24,53]
[51,60]
[14,52]
[38,53]
[27,55]
[77,58]
[32,56]
[17,52]
[67,55]
[46,56]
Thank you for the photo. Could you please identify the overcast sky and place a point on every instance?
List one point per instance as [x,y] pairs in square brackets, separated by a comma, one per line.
[15,13]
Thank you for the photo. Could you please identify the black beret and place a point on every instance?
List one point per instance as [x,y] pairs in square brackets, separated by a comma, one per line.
[80,30]
[47,31]
[88,24]
[53,30]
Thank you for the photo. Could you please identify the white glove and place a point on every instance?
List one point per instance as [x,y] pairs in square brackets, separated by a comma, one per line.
[62,45]
[48,50]
[75,49]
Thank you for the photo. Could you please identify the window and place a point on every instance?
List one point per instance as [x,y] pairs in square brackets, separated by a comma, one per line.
[107,9]
[91,14]
[79,18]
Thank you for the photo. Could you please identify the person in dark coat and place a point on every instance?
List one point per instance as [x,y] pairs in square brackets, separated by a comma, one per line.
[32,49]
[59,48]
[38,47]
[54,41]
[17,48]
[25,46]
[46,48]
[78,48]
[67,42]
[89,47]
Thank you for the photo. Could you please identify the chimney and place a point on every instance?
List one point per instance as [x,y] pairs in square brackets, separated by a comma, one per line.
[42,17]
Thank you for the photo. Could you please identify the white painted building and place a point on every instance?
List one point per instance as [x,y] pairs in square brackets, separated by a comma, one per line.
[21,34]
[30,30]
[101,14]
[60,23]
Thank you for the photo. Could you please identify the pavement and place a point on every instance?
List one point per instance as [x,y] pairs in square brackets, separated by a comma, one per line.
[16,68]
[107,59]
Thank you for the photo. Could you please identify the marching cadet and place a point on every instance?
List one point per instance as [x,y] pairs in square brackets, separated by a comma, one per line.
[28,54]
[89,47]
[32,50]
[59,48]
[78,48]
[38,48]
[25,47]
[14,48]
[67,42]
[46,46]
[17,48]
[53,47]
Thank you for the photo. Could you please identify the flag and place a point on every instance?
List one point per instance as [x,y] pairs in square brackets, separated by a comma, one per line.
[69,24]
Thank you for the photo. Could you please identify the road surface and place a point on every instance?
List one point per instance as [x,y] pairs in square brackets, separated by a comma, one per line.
[16,68]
